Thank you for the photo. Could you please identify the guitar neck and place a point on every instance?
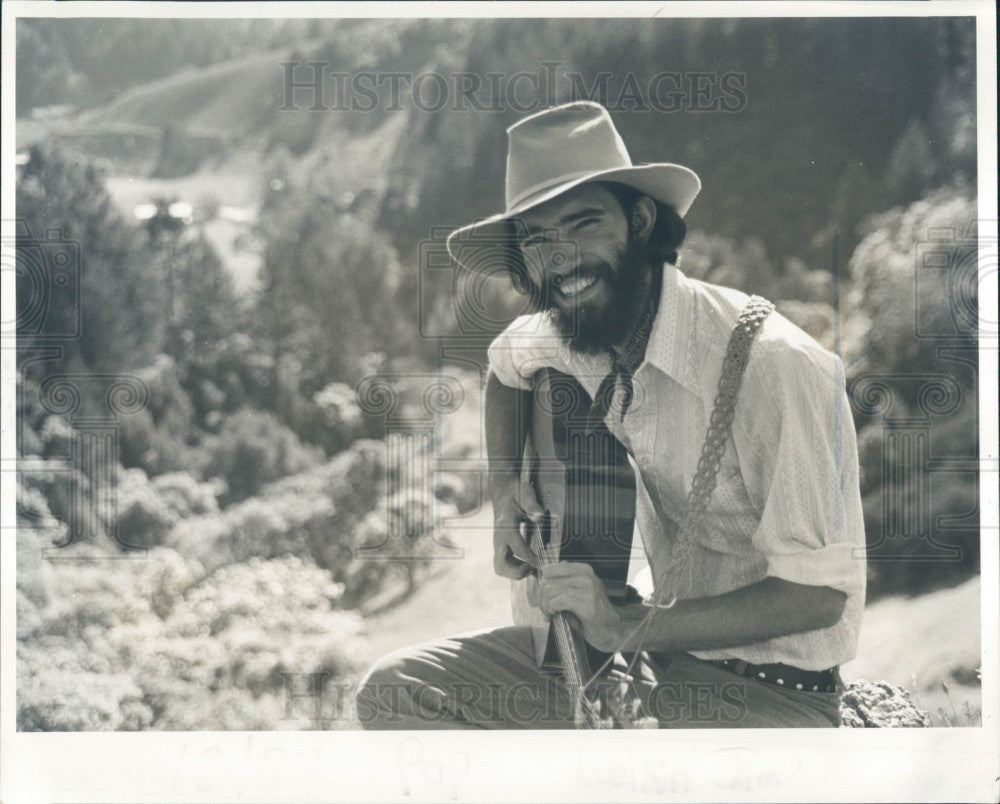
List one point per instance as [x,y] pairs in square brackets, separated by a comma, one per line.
[568,633]
[583,479]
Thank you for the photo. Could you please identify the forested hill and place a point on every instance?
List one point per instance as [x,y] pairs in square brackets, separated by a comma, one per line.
[831,119]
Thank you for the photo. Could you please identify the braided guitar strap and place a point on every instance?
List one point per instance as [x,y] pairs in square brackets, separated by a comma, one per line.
[719,427]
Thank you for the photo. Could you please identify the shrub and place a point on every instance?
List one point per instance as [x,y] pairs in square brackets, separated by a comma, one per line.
[185,495]
[311,514]
[63,687]
[64,490]
[226,645]
[342,419]
[887,265]
[254,448]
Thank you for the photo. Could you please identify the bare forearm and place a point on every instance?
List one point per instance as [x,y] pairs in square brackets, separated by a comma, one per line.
[506,413]
[762,611]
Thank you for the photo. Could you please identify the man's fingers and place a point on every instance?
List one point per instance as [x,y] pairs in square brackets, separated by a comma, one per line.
[512,558]
[508,569]
[561,601]
[511,537]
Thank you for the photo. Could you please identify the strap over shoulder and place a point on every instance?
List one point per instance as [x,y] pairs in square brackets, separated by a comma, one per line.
[720,424]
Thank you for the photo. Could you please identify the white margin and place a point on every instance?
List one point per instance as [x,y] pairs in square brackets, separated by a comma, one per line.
[960,764]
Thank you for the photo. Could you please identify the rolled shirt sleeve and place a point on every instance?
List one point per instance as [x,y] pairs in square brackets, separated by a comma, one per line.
[527,345]
[803,476]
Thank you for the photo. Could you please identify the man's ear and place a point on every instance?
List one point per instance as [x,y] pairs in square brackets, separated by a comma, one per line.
[643,218]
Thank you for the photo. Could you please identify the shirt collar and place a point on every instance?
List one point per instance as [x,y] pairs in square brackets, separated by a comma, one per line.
[669,344]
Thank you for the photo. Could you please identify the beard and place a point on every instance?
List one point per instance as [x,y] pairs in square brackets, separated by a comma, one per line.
[594,326]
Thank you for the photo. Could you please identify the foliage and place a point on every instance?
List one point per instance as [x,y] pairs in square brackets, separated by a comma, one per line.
[64,688]
[917,284]
[916,273]
[154,643]
[147,510]
[60,198]
[311,514]
[254,448]
[332,284]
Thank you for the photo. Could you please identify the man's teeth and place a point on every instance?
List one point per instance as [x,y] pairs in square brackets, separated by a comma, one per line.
[572,287]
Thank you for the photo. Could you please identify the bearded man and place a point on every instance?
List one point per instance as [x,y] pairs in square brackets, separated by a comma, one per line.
[764,572]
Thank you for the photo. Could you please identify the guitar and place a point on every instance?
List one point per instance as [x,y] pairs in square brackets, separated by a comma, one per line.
[582,477]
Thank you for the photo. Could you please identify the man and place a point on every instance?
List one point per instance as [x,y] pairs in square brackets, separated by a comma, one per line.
[766,585]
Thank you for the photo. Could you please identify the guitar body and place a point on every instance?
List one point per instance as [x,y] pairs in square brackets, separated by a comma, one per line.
[584,481]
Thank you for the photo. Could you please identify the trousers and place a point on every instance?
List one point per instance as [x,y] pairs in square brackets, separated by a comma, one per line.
[489,680]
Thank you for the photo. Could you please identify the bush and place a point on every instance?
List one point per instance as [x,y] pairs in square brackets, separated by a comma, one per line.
[143,516]
[887,265]
[152,642]
[63,688]
[312,514]
[147,510]
[185,495]
[64,490]
[342,419]
[919,254]
[226,645]
[254,448]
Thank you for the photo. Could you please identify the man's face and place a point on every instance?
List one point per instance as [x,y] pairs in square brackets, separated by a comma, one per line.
[584,265]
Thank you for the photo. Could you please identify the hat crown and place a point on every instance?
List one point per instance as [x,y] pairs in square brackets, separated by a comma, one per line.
[559,144]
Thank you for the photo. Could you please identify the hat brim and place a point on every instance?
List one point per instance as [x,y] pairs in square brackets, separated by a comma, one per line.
[674,185]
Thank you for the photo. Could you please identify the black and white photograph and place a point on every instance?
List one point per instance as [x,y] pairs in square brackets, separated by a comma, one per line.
[374,374]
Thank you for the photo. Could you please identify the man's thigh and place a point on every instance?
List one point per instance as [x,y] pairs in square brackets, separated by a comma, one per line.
[486,679]
[681,691]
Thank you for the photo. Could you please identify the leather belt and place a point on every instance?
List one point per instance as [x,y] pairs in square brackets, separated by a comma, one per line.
[785,675]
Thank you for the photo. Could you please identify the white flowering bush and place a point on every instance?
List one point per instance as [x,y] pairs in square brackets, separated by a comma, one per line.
[156,643]
[226,612]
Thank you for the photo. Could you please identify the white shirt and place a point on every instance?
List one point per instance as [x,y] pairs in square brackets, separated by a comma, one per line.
[787,503]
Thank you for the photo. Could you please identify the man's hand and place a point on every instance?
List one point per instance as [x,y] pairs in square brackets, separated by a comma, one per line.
[573,586]
[513,504]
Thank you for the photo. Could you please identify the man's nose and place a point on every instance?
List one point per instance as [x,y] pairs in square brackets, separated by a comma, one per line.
[553,261]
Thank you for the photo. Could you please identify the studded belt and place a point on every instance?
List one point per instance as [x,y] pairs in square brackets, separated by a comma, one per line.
[785,675]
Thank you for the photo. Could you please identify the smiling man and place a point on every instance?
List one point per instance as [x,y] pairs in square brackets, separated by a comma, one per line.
[737,426]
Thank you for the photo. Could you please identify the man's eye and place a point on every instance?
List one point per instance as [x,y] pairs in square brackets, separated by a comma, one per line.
[586,222]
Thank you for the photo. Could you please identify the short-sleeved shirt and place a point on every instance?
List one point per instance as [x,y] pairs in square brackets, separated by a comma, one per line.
[787,502]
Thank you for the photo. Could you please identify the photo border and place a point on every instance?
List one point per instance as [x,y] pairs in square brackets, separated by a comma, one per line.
[727,765]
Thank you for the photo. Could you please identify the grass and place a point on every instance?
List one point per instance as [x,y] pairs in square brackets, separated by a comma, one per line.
[930,645]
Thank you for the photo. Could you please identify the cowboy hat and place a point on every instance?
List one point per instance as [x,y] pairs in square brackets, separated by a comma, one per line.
[557,149]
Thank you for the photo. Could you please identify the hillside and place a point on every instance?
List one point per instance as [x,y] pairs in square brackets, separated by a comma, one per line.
[817,156]
[262,271]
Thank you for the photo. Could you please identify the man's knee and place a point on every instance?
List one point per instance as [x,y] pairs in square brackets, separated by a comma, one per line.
[378,700]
